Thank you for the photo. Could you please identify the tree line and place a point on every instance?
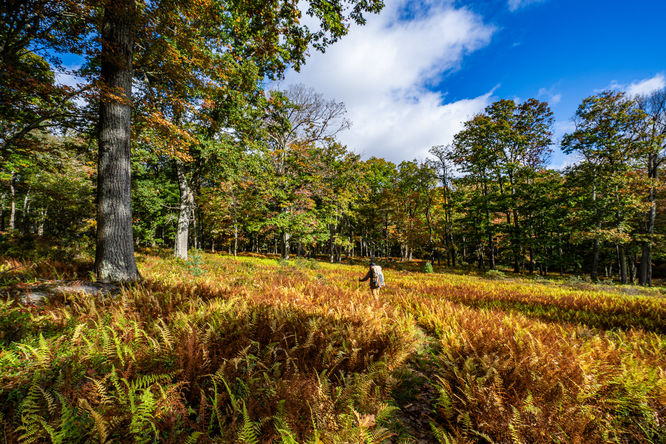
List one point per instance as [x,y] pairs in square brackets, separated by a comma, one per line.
[220,163]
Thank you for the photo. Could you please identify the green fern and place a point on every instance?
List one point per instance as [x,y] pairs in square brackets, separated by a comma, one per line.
[441,435]
[249,430]
[282,426]
[193,438]
[31,419]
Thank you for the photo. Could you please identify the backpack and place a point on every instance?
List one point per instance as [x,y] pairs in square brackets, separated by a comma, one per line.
[377,276]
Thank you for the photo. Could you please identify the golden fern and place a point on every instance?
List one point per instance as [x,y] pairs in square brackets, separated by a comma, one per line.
[101,426]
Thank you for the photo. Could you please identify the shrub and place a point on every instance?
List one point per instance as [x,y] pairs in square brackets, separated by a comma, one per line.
[495,275]
[194,263]
[310,264]
[427,268]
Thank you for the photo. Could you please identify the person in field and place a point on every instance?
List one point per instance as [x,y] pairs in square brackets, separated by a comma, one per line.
[376,277]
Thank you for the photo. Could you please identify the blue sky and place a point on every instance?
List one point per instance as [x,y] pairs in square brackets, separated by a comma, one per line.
[419,69]
[415,72]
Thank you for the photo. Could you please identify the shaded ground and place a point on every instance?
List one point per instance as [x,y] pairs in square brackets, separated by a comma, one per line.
[36,293]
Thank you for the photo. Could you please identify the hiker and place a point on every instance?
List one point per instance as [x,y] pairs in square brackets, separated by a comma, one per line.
[376,279]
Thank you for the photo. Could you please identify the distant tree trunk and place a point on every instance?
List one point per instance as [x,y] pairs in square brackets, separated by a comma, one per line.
[531,250]
[595,261]
[12,204]
[594,274]
[645,273]
[2,212]
[195,232]
[386,237]
[491,249]
[235,239]
[25,212]
[153,241]
[42,221]
[622,263]
[286,237]
[114,256]
[184,213]
[331,242]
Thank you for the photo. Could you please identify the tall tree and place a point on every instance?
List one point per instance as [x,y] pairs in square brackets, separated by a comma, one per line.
[114,256]
[298,116]
[444,167]
[607,136]
[654,134]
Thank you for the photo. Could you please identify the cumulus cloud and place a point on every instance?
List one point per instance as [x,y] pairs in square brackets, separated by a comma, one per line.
[382,72]
[514,5]
[647,86]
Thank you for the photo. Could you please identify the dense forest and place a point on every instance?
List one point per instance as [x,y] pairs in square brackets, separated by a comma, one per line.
[222,162]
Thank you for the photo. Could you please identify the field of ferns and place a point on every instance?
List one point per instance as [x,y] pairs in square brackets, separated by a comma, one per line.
[254,349]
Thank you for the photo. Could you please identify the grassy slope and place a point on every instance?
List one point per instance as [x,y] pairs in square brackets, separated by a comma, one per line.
[251,349]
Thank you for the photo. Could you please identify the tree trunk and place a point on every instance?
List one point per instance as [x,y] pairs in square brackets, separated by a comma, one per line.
[331,243]
[195,232]
[26,210]
[387,251]
[595,261]
[12,203]
[645,272]
[184,213]
[235,240]
[42,221]
[114,258]
[2,212]
[153,241]
[285,244]
[594,274]
[624,267]
[622,264]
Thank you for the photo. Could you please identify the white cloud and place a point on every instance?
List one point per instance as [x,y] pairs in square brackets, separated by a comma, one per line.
[562,161]
[647,86]
[637,87]
[66,76]
[381,71]
[514,5]
[550,95]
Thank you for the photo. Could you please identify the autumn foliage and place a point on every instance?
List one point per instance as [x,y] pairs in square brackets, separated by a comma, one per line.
[251,349]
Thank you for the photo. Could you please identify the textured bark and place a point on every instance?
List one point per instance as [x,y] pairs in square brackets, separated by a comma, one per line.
[42,221]
[114,258]
[285,244]
[12,203]
[185,212]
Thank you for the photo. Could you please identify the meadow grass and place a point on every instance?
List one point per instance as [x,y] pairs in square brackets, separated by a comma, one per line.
[252,349]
